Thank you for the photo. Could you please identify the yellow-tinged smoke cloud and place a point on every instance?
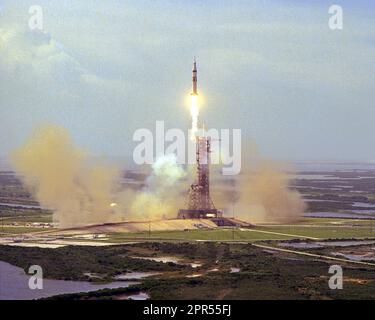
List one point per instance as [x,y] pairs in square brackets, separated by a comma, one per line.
[266,197]
[61,178]
[262,194]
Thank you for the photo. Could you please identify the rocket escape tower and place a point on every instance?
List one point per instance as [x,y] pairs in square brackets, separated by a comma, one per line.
[199,203]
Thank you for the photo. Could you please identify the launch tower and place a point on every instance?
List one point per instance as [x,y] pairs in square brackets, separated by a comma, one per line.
[199,203]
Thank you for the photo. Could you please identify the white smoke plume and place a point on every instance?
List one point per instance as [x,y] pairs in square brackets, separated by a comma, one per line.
[162,196]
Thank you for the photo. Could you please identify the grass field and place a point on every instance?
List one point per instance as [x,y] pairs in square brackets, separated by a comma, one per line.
[19,230]
[214,235]
[309,228]
[45,218]
[253,234]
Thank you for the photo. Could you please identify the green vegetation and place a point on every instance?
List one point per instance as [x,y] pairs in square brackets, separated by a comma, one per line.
[29,218]
[214,235]
[19,230]
[336,222]
[71,262]
[262,275]
[19,212]
[104,294]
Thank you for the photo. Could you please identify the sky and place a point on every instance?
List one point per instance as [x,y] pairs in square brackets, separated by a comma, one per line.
[273,69]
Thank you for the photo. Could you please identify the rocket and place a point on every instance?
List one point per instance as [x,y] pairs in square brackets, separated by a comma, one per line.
[195,92]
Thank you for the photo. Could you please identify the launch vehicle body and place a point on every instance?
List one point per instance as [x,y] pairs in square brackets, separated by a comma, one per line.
[199,202]
[195,79]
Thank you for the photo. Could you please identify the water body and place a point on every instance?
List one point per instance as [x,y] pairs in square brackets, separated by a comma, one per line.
[138,296]
[334,166]
[14,285]
[339,215]
[363,205]
[322,244]
[368,213]
[314,177]
[356,257]
[194,275]
[319,200]
[18,205]
[136,275]
[167,259]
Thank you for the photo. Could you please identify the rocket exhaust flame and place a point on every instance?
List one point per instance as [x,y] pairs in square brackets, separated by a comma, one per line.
[194,112]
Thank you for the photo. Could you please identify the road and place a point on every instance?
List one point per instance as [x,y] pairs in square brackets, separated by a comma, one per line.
[302,253]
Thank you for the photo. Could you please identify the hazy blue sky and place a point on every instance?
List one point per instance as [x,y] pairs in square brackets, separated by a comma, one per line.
[272,68]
